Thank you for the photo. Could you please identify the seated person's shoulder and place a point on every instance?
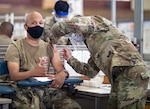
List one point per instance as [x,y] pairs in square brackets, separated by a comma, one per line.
[12,52]
[15,46]
[17,43]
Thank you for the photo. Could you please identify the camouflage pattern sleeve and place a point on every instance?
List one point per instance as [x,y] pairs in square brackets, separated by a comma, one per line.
[89,69]
[48,23]
[76,25]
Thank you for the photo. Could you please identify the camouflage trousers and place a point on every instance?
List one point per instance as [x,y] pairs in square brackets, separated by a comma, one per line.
[42,98]
[129,89]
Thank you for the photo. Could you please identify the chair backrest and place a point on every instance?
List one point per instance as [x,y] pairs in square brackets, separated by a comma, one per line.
[3,49]
[3,67]
[3,64]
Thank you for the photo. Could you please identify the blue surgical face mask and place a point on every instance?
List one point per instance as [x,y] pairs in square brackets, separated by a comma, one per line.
[35,31]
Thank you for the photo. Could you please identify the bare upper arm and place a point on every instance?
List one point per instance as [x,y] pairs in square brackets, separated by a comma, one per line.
[13,68]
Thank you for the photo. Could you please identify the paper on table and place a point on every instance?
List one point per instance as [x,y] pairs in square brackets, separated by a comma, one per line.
[43,79]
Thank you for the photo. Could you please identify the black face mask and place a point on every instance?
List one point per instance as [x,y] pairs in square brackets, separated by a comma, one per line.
[35,31]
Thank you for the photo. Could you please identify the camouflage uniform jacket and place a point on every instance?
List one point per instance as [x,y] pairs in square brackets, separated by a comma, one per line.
[48,23]
[109,49]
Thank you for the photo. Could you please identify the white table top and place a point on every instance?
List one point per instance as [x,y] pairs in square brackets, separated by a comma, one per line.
[105,89]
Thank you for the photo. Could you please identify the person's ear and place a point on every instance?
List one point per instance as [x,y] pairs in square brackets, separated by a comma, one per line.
[25,26]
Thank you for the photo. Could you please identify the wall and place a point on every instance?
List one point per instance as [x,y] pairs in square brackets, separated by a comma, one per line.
[48,4]
[22,2]
[105,4]
[146,4]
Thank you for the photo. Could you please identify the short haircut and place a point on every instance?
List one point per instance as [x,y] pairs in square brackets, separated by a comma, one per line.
[6,28]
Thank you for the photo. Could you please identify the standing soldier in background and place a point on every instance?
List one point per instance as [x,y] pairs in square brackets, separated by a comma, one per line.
[6,31]
[112,53]
[61,12]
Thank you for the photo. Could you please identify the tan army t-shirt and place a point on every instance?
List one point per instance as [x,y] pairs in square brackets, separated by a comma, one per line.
[26,55]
